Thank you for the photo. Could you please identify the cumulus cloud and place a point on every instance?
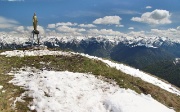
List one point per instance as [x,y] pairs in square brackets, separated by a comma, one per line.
[7,23]
[69,28]
[51,26]
[108,20]
[66,29]
[178,28]
[133,34]
[20,29]
[119,25]
[87,25]
[155,17]
[172,33]
[131,28]
[66,24]
[108,32]
[148,7]
[81,30]
[39,28]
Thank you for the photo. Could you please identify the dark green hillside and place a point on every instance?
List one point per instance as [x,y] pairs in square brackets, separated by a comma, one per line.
[157,61]
[166,70]
[139,56]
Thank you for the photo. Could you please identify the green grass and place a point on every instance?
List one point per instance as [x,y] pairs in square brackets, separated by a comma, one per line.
[75,63]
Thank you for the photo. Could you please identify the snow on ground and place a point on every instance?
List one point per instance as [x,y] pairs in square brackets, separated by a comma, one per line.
[137,73]
[126,69]
[3,91]
[78,92]
[1,87]
[22,53]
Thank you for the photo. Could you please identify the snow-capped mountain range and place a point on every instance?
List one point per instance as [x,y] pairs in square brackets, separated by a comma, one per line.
[152,42]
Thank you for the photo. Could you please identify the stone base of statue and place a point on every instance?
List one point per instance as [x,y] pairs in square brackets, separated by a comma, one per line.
[39,47]
[36,45]
[36,32]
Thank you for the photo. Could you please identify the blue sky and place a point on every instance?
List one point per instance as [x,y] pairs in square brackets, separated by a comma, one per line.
[78,17]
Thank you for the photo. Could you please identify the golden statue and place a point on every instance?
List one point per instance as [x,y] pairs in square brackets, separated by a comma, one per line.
[35,31]
[35,21]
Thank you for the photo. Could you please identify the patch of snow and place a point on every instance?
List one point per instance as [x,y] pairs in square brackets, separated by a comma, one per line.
[18,99]
[3,91]
[137,73]
[1,87]
[177,60]
[126,69]
[79,92]
[22,53]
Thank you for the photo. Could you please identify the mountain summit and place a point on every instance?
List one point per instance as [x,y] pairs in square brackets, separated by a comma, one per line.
[67,81]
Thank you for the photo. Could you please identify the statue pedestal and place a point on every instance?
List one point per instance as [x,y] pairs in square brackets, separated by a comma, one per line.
[36,32]
[39,47]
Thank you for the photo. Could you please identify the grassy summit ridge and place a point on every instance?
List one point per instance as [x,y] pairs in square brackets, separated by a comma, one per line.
[74,63]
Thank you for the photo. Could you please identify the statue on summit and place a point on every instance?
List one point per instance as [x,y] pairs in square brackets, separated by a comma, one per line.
[35,21]
[35,31]
[36,44]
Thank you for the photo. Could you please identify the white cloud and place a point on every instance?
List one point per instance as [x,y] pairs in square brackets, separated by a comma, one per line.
[51,26]
[81,30]
[39,28]
[119,25]
[171,33]
[178,28]
[131,28]
[148,7]
[20,29]
[66,24]
[29,28]
[172,30]
[66,29]
[108,20]
[108,32]
[87,25]
[7,23]
[155,17]
[133,34]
